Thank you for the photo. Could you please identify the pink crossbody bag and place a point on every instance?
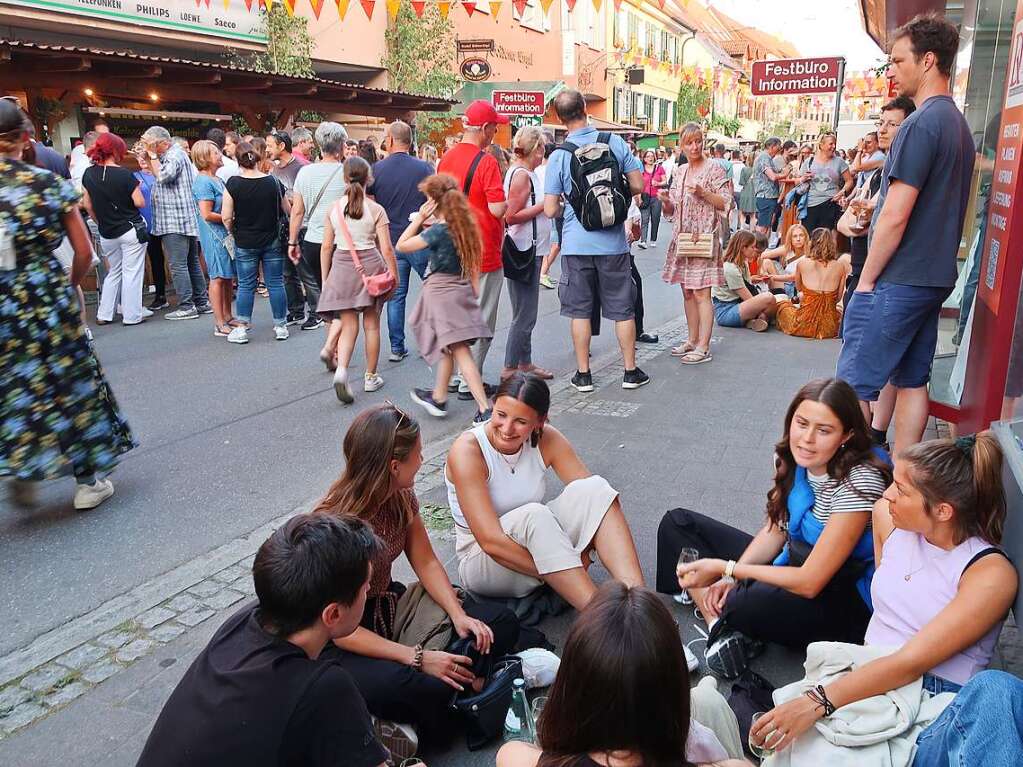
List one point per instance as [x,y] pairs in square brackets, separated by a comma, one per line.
[376,284]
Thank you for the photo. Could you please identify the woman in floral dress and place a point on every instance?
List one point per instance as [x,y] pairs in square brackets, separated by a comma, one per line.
[57,414]
[697,203]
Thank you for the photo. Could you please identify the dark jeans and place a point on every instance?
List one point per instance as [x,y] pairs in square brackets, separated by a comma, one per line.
[310,273]
[154,249]
[396,306]
[189,283]
[760,611]
[394,691]
[525,297]
[650,220]
[293,286]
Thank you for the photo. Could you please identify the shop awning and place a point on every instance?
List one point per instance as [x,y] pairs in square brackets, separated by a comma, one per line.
[127,76]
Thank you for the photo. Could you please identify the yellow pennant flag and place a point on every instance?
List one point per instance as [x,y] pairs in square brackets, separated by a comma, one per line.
[392,8]
[546,5]
[495,7]
[289,6]
[342,9]
[268,4]
[444,9]
[596,4]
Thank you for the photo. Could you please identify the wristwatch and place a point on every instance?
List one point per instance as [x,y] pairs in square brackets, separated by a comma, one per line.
[728,577]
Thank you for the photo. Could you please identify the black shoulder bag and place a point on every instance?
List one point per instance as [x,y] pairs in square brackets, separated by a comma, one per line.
[483,712]
[518,264]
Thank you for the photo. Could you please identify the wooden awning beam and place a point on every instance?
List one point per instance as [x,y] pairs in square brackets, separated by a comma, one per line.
[66,64]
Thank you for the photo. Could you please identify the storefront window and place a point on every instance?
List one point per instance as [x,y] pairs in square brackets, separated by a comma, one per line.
[978,88]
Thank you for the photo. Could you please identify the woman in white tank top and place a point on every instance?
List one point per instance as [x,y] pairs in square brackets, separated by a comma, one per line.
[508,542]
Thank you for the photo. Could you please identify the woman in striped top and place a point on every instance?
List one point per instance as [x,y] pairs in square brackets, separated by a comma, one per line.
[805,576]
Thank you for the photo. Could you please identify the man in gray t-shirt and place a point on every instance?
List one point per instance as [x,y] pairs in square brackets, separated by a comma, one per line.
[286,167]
[891,323]
[768,168]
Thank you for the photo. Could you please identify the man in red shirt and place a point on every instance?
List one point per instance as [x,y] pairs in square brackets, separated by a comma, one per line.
[487,200]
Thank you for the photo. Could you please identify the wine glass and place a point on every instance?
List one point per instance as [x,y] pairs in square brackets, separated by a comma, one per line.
[761,751]
[685,557]
[537,706]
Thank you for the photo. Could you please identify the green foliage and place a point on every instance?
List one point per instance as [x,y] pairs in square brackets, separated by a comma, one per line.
[289,45]
[730,126]
[420,58]
[691,99]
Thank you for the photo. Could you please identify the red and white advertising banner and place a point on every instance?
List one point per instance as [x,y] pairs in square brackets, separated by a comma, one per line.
[519,103]
[788,77]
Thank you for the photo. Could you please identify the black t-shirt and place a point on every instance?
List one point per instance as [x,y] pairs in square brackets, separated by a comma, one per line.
[254,699]
[257,210]
[110,189]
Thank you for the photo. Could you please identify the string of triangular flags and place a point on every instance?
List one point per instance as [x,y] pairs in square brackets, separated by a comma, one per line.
[418,6]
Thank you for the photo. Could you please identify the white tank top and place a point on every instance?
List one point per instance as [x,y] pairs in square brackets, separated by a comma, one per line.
[522,234]
[513,480]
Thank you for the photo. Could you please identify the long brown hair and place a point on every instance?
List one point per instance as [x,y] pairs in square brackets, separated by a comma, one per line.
[822,246]
[840,398]
[965,473]
[452,205]
[736,245]
[377,436]
[623,684]
[357,178]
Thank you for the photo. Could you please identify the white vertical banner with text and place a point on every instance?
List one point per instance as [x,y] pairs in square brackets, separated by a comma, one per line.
[567,52]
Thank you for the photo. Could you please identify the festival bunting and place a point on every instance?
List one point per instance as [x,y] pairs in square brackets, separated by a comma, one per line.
[546,5]
[495,8]
[570,4]
[289,6]
[342,9]
[520,6]
[444,9]
[596,5]
[392,8]
[317,6]
[367,6]
[469,7]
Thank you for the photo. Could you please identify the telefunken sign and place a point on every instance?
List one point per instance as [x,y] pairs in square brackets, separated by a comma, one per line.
[786,77]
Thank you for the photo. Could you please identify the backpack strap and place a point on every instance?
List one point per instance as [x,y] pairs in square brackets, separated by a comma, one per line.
[604,138]
[472,173]
[568,146]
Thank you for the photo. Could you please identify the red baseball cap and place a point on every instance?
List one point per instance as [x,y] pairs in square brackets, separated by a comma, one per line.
[481,112]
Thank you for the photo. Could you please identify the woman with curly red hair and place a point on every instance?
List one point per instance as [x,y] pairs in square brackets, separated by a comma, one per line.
[113,198]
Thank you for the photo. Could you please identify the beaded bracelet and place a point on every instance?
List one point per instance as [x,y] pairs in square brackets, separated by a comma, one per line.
[417,659]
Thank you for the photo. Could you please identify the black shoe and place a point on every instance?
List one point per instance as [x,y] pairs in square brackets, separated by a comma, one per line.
[634,379]
[424,398]
[583,381]
[157,304]
[489,389]
[398,355]
[484,416]
[204,309]
[295,319]
[312,322]
[646,338]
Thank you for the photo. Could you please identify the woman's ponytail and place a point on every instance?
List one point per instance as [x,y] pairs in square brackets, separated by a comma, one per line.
[988,488]
[356,179]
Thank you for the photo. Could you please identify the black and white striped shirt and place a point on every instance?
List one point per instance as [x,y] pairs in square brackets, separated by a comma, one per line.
[831,498]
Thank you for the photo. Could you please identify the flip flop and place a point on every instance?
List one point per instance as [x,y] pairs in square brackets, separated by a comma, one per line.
[683,350]
[696,357]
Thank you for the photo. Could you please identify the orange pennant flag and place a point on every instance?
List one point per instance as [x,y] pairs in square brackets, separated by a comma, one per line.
[618,5]
[418,7]
[469,7]
[367,6]
[289,6]
[317,6]
[546,5]
[596,4]
[248,4]
[660,4]
[520,6]
[495,8]
[570,4]
[392,8]
[444,9]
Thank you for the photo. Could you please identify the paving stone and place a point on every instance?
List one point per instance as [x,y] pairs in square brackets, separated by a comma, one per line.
[44,678]
[225,576]
[152,618]
[205,588]
[224,598]
[167,632]
[248,561]
[195,616]
[65,694]
[134,650]
[102,670]
[21,715]
[82,656]
[116,638]
[181,602]
[11,696]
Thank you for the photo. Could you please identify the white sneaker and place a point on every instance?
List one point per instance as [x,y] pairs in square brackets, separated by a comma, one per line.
[691,660]
[238,335]
[341,387]
[372,382]
[281,332]
[146,313]
[683,598]
[91,496]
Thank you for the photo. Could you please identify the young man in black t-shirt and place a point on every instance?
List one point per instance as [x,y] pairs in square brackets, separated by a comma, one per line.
[264,691]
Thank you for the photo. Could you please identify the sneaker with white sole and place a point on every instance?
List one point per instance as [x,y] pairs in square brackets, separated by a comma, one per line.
[238,335]
[691,660]
[182,314]
[683,599]
[399,739]
[729,653]
[90,496]
[424,398]
[146,313]
[547,282]
[281,332]
[372,382]
[397,355]
[341,387]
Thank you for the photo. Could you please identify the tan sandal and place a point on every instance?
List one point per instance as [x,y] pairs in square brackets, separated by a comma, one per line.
[683,350]
[538,371]
[696,357]
[758,325]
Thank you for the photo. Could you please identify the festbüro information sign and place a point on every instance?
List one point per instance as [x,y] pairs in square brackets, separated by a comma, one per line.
[785,77]
[519,103]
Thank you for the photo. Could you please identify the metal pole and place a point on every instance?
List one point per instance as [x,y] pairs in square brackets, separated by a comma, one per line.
[838,94]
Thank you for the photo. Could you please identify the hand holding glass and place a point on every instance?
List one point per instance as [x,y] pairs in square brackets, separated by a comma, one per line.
[760,750]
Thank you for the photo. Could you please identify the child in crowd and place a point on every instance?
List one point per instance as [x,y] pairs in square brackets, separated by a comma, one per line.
[447,316]
[780,585]
[264,691]
[820,280]
[356,228]
[735,304]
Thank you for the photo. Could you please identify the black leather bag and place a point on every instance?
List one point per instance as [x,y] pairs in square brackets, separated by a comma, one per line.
[484,712]
[846,577]
[519,264]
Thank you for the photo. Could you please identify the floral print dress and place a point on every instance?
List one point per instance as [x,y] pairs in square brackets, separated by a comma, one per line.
[694,215]
[57,414]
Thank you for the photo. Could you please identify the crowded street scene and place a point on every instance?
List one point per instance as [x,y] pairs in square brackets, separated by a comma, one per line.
[552,383]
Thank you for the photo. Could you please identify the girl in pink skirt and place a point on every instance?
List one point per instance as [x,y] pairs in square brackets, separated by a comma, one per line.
[344,297]
[447,318]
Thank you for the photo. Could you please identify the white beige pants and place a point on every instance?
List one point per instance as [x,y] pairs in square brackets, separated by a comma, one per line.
[555,533]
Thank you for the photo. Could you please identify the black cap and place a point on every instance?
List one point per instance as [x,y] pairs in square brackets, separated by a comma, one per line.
[12,118]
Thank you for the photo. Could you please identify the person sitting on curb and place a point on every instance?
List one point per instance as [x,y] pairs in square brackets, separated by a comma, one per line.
[820,278]
[622,696]
[400,679]
[805,576]
[941,593]
[735,304]
[508,541]
[779,264]
[264,691]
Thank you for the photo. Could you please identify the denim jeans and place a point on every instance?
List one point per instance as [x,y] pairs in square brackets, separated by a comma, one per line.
[182,252]
[396,306]
[983,725]
[247,262]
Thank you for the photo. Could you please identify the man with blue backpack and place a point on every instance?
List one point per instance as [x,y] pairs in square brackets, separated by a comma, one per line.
[591,181]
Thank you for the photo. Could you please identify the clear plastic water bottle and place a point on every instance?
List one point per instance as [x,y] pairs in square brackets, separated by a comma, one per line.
[518,722]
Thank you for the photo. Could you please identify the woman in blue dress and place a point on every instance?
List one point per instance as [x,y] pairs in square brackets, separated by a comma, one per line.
[213,236]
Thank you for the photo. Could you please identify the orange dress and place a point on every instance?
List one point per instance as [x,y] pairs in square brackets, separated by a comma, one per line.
[817,315]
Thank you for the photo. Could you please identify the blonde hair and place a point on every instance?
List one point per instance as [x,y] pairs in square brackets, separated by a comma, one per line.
[822,246]
[203,153]
[788,240]
[526,141]
[688,130]
[826,135]
[452,205]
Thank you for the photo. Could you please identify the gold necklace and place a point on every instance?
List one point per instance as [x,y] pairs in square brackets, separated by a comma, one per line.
[510,464]
[912,572]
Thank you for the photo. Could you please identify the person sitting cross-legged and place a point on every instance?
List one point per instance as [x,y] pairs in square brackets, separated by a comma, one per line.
[264,691]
